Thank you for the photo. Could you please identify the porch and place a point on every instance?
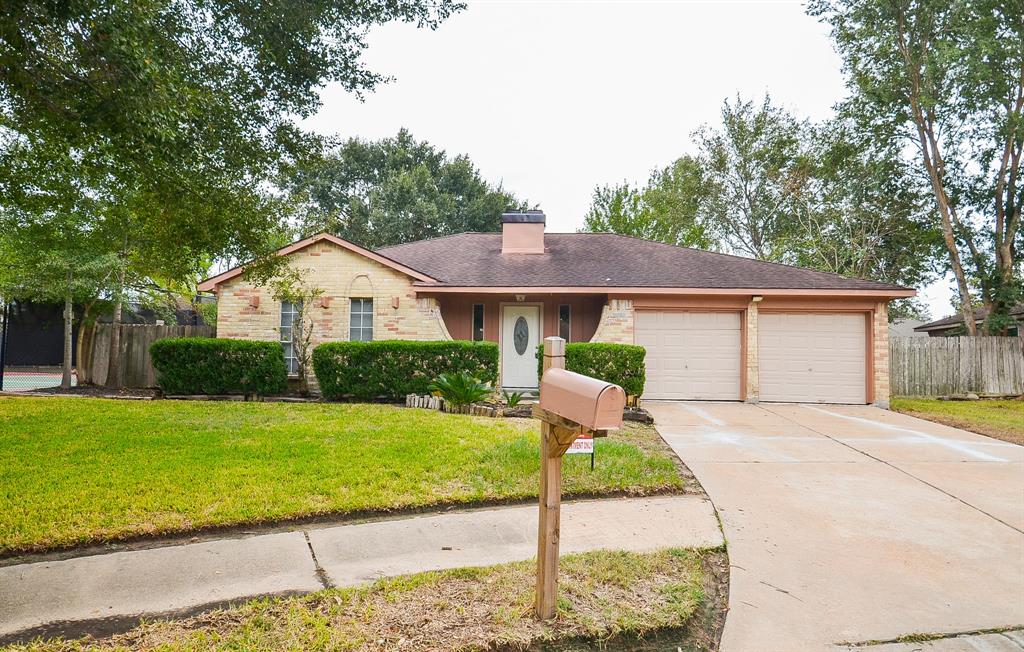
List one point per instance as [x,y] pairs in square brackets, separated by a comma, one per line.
[518,323]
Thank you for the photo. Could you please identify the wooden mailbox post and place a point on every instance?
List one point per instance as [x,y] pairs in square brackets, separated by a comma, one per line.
[570,405]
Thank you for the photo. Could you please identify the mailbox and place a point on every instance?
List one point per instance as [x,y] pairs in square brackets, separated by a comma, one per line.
[592,403]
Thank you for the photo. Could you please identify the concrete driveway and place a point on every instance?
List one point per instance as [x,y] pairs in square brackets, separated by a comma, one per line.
[849,524]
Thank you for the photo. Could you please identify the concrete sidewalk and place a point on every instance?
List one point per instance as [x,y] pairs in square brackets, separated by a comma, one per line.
[183,577]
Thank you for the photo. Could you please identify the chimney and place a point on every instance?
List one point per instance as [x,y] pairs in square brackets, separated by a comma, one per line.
[522,232]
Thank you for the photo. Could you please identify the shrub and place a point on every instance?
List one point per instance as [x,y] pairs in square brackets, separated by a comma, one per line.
[207,365]
[512,399]
[622,364]
[460,389]
[390,369]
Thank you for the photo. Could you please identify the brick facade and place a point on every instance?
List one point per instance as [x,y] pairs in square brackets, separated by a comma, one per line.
[880,345]
[616,324]
[753,385]
[248,311]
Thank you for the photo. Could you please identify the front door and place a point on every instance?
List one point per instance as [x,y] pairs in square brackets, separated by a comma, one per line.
[520,335]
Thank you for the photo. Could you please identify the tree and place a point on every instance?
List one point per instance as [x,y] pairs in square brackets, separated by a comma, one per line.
[68,269]
[665,210]
[756,167]
[860,214]
[395,190]
[946,78]
[293,285]
[172,117]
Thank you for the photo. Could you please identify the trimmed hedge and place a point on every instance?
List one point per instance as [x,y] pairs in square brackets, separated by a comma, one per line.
[207,365]
[621,364]
[390,369]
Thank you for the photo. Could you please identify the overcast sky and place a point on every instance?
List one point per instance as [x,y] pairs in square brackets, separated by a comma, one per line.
[553,98]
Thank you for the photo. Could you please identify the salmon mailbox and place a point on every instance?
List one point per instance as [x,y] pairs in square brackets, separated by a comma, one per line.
[592,403]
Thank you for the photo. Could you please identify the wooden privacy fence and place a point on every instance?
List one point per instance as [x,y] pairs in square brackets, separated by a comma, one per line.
[942,366]
[136,365]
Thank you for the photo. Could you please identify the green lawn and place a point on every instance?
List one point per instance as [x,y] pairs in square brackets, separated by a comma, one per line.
[1000,419]
[77,470]
[601,595]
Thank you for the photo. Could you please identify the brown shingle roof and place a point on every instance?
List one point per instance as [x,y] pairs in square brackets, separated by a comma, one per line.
[979,315]
[605,260]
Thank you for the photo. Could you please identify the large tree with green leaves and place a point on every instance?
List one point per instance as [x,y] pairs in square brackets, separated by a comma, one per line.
[945,78]
[737,193]
[859,214]
[395,190]
[756,168]
[667,209]
[172,116]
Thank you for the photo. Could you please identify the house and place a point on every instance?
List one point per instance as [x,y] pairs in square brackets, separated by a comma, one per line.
[952,326]
[905,328]
[716,327]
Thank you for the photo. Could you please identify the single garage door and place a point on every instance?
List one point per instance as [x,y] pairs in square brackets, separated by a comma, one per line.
[691,355]
[812,358]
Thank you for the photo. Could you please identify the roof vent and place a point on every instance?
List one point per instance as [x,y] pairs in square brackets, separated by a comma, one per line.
[522,232]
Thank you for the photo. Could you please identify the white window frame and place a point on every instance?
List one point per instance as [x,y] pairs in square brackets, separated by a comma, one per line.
[287,331]
[361,307]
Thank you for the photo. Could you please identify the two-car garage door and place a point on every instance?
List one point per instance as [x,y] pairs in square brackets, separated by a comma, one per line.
[802,357]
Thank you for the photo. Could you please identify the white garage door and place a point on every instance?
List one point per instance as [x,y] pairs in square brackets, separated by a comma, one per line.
[691,355]
[812,358]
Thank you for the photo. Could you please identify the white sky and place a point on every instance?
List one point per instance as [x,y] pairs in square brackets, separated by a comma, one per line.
[553,98]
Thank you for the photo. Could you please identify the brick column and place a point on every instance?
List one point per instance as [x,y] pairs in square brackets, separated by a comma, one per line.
[880,352]
[753,368]
[432,326]
[616,325]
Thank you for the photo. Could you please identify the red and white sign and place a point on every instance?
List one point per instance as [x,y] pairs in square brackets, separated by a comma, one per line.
[584,445]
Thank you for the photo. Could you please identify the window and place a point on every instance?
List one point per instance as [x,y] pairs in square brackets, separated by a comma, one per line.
[564,319]
[478,322]
[360,320]
[291,329]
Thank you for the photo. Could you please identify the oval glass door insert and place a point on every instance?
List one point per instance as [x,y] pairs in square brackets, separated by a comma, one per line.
[521,335]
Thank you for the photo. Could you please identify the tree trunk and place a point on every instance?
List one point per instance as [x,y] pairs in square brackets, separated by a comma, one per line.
[114,367]
[84,357]
[69,316]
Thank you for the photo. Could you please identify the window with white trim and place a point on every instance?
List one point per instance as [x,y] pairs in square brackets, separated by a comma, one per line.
[291,329]
[360,320]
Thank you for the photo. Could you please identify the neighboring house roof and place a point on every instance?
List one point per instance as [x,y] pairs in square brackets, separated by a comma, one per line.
[905,328]
[604,261]
[210,284]
[956,320]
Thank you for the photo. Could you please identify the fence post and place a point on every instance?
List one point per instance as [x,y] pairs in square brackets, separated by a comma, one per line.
[3,343]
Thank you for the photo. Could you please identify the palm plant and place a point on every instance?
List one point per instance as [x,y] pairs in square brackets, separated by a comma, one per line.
[512,399]
[460,389]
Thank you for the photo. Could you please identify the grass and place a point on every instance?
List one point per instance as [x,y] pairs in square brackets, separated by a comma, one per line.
[77,471]
[603,594]
[999,419]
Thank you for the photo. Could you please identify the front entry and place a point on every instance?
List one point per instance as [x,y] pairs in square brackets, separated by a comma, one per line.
[520,336]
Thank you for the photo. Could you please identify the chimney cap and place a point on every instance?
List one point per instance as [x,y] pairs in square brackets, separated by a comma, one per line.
[523,217]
